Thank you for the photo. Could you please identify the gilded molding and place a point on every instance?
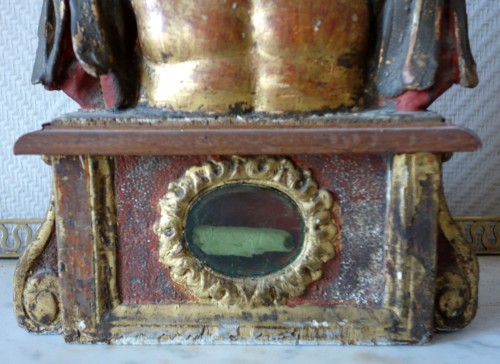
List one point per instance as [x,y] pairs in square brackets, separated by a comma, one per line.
[415,181]
[316,206]
[103,213]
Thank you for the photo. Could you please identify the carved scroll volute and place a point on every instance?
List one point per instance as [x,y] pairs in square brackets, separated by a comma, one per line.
[36,292]
[457,277]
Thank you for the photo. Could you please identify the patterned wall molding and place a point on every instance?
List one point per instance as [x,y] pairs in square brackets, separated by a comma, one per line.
[481,231]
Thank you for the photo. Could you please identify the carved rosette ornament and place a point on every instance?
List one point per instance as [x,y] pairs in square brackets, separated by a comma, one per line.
[320,240]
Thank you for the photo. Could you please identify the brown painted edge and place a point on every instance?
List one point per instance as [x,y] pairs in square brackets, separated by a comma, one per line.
[250,141]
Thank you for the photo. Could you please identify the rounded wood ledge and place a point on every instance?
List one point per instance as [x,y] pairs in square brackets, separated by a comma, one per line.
[133,133]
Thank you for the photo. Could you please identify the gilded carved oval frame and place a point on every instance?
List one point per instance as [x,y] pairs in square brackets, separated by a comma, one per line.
[316,206]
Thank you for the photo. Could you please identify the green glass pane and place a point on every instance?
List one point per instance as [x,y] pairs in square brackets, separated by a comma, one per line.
[244,230]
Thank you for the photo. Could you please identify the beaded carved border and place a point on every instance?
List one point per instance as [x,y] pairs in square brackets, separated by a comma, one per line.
[316,206]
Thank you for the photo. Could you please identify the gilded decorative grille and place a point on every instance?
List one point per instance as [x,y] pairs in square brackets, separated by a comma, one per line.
[15,234]
[483,232]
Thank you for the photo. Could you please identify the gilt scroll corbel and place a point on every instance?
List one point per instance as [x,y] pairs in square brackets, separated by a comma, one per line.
[457,278]
[36,282]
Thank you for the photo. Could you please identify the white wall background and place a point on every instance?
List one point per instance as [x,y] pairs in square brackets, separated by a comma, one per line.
[24,180]
[472,181]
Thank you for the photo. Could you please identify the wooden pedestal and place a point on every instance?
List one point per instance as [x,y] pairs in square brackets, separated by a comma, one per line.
[381,262]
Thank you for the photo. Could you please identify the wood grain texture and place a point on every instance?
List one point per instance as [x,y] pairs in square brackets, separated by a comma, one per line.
[222,140]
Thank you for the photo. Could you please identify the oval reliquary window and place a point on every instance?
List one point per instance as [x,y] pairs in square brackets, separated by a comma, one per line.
[246,231]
